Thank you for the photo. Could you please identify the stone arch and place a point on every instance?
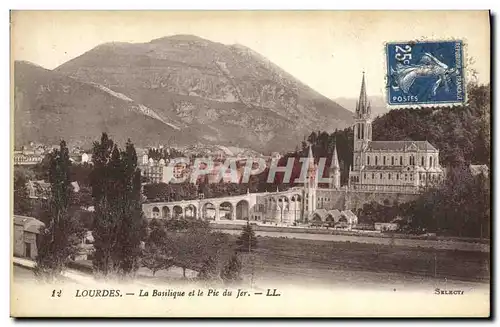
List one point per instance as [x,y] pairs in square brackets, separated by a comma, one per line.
[165,212]
[190,211]
[272,204]
[342,219]
[316,220]
[330,220]
[286,203]
[209,211]
[156,212]
[226,211]
[296,207]
[177,212]
[242,210]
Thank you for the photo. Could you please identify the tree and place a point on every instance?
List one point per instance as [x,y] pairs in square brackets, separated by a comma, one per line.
[208,270]
[247,241]
[59,239]
[133,224]
[155,259]
[22,204]
[119,224]
[231,272]
[157,233]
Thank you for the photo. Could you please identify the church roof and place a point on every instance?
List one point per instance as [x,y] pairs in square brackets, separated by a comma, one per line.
[383,168]
[349,214]
[400,169]
[400,146]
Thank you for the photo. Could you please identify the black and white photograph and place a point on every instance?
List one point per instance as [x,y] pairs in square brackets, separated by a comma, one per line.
[250,164]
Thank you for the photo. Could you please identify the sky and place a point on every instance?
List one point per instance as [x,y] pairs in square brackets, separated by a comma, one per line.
[326,50]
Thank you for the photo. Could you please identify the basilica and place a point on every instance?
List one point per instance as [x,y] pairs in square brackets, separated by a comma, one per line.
[394,171]
[389,165]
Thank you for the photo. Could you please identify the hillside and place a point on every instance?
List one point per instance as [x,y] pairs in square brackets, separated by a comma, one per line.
[214,93]
[49,106]
[378,104]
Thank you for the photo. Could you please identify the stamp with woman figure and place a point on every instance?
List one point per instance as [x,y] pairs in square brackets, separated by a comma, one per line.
[425,73]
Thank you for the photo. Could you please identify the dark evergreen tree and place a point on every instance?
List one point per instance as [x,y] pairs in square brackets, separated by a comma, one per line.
[104,224]
[133,223]
[119,225]
[247,241]
[58,240]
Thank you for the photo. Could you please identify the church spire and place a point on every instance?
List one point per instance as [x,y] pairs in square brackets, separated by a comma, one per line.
[363,106]
[335,160]
[310,155]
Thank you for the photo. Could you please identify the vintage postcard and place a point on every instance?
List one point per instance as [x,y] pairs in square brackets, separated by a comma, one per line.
[250,164]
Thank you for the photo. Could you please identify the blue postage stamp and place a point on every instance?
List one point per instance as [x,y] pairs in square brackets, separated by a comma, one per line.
[426,72]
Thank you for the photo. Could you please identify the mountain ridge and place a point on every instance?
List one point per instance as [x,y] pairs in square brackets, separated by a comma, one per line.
[206,91]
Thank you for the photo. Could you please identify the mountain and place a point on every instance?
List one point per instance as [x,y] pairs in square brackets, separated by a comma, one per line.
[180,89]
[377,102]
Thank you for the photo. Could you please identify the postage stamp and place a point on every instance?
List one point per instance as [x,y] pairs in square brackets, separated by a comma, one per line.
[425,73]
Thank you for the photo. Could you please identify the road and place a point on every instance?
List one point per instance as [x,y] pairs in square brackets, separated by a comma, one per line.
[441,245]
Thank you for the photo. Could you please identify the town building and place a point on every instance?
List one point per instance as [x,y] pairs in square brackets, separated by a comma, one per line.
[26,232]
[27,157]
[394,171]
[159,171]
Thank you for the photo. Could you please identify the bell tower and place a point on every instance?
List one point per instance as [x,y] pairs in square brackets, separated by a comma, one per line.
[311,184]
[362,125]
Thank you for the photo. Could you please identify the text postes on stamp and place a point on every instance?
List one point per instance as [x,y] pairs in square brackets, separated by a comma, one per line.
[425,73]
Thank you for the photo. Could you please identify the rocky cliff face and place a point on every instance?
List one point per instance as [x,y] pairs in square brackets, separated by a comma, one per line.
[197,90]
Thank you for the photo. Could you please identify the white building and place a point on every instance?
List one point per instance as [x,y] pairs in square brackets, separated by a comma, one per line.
[389,165]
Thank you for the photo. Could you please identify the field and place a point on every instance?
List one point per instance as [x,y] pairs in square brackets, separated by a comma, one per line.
[337,262]
[290,261]
[330,231]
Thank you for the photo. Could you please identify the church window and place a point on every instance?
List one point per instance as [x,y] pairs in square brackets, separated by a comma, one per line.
[373,176]
[406,177]
[392,160]
[397,176]
[384,160]
[364,175]
[422,161]
[411,177]
[380,175]
[368,160]
[376,160]
[430,161]
[363,132]
[389,176]
[401,160]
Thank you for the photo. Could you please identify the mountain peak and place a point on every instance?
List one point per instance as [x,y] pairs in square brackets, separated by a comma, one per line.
[180,37]
[214,93]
